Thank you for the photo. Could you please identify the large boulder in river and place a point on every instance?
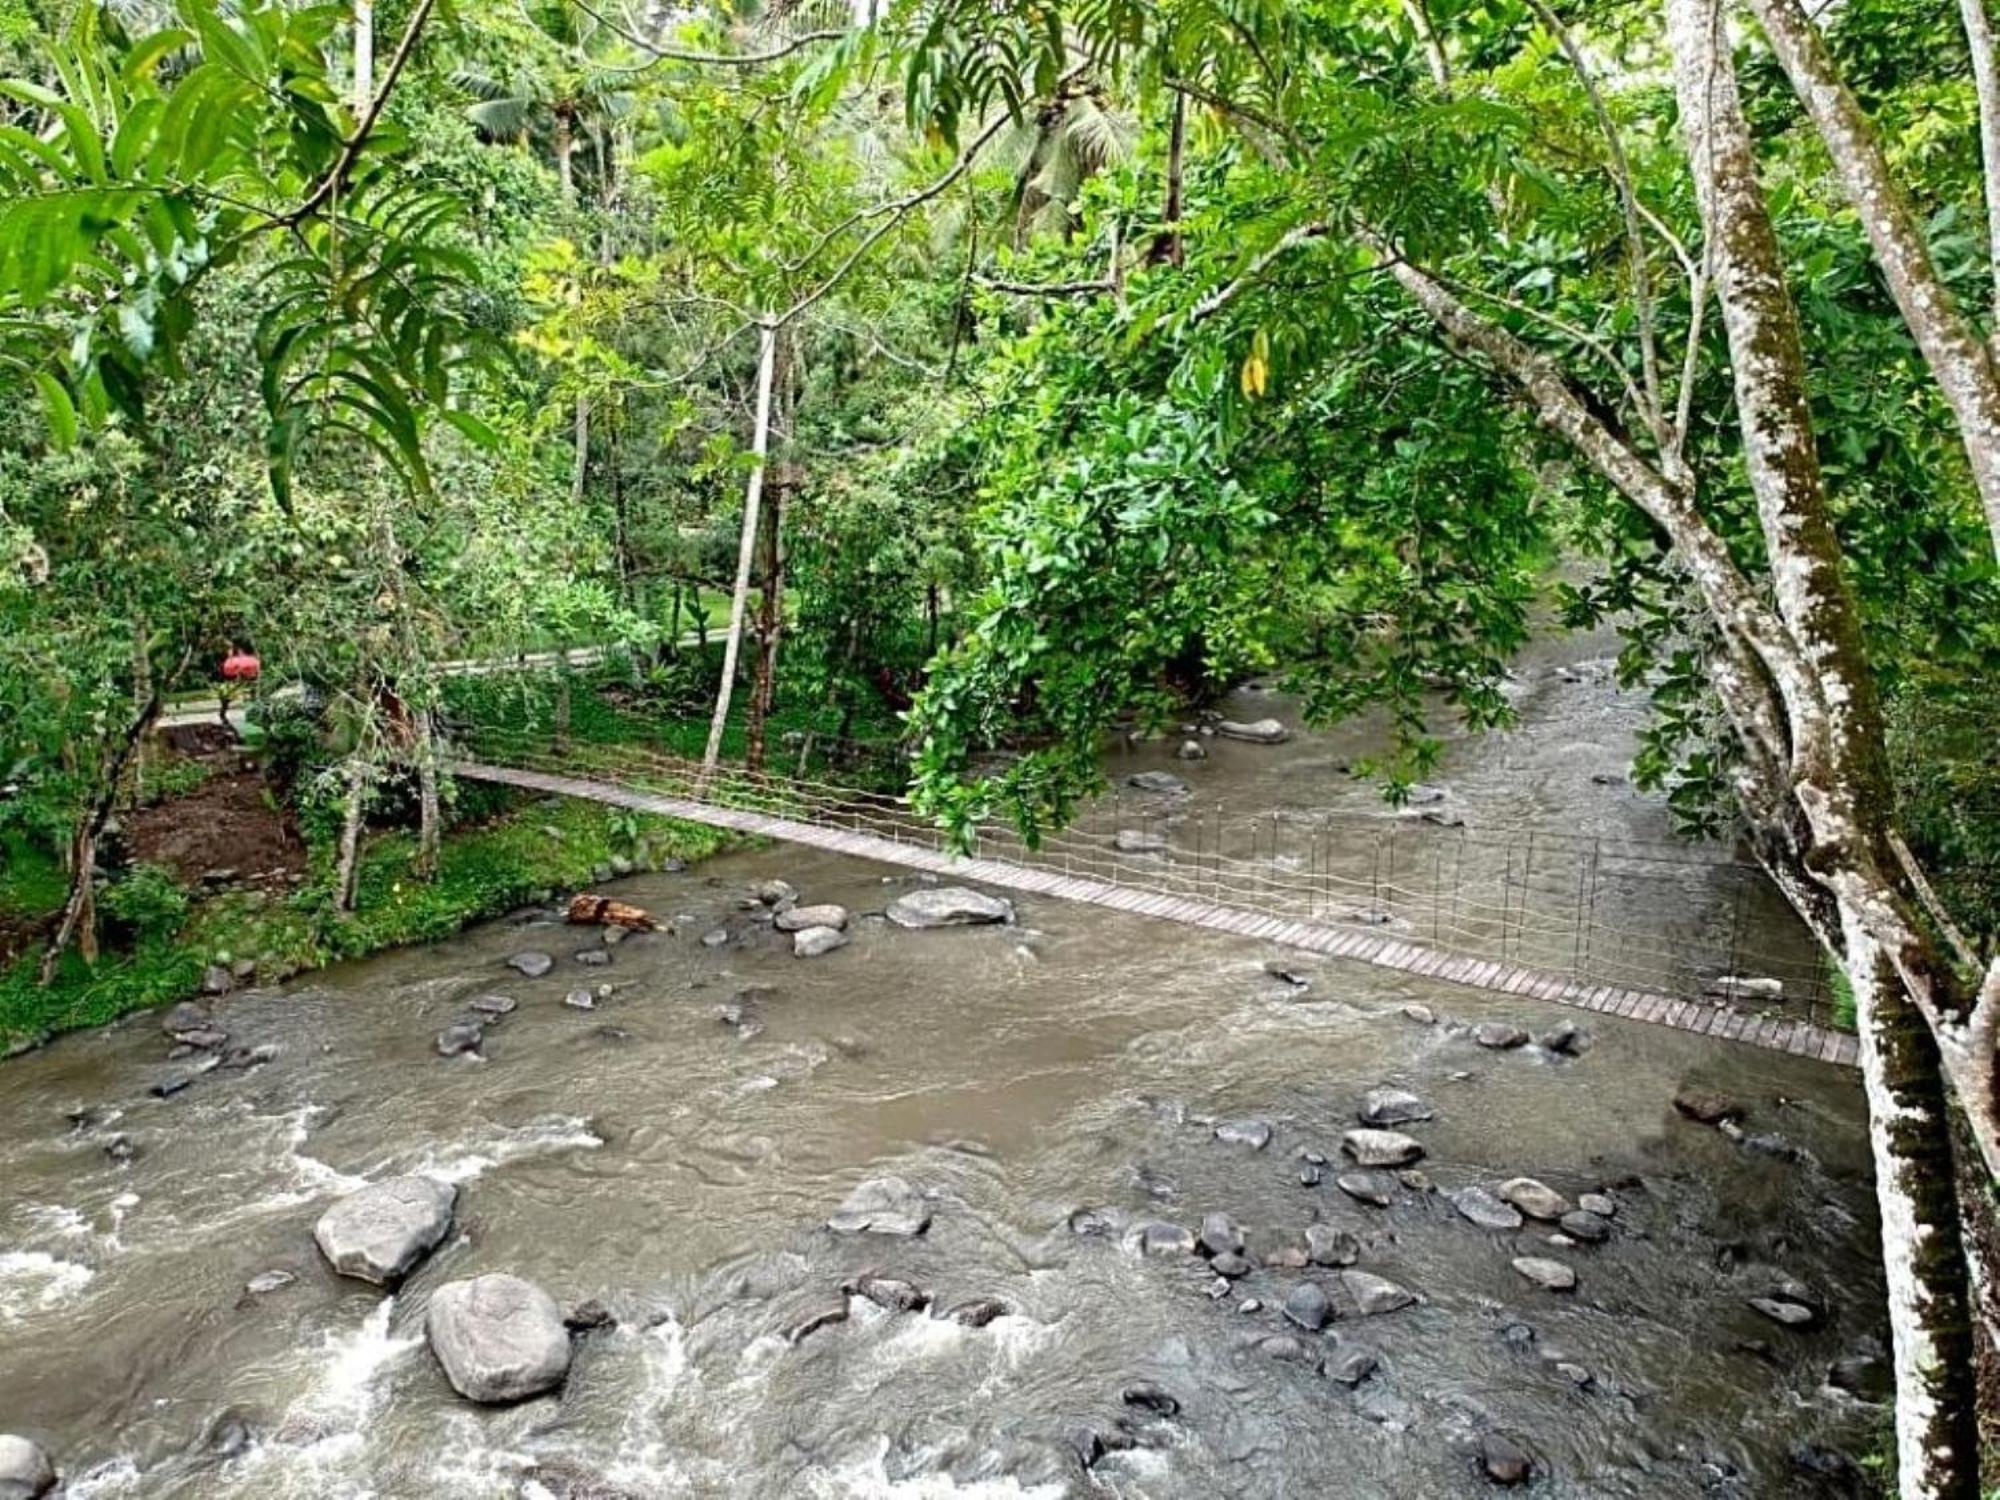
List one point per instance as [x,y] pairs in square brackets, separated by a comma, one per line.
[380,1232]
[799,918]
[812,942]
[882,1205]
[1381,1148]
[1535,1199]
[1261,732]
[1392,1107]
[498,1337]
[25,1470]
[949,906]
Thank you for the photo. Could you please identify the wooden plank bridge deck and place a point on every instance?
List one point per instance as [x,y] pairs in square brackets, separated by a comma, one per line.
[1798,1037]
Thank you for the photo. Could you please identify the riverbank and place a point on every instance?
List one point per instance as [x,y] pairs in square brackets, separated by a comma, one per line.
[238,937]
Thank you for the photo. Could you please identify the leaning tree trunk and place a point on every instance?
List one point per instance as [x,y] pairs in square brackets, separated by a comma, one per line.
[746,549]
[770,624]
[364,56]
[79,911]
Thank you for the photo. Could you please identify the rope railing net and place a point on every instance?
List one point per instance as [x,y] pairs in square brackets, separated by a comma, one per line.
[1670,919]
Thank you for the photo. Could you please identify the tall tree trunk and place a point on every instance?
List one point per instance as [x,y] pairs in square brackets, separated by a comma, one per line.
[770,622]
[80,907]
[580,470]
[1168,248]
[364,56]
[347,866]
[1962,362]
[430,820]
[1986,84]
[565,148]
[1923,1259]
[746,549]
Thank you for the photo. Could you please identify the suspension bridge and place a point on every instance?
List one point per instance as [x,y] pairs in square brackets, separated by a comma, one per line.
[1531,914]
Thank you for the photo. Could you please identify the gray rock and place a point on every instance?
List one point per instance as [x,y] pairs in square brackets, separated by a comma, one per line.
[1256,1134]
[492,1005]
[613,936]
[1374,1295]
[1392,1107]
[1328,1246]
[580,1000]
[1503,1460]
[1425,795]
[1164,782]
[1192,750]
[593,958]
[1549,1275]
[1258,732]
[1486,1209]
[1288,1350]
[1744,987]
[1707,1109]
[460,1037]
[266,1282]
[498,1337]
[882,1205]
[1159,1237]
[1149,1397]
[1220,1236]
[186,1019]
[25,1470]
[380,1232]
[1564,1039]
[775,892]
[977,1313]
[1353,1367]
[715,937]
[948,906]
[1375,1188]
[888,1291]
[1780,1310]
[1138,841]
[1499,1036]
[531,965]
[799,918]
[1230,1264]
[1601,1204]
[1586,1227]
[812,1323]
[217,980]
[1308,1306]
[1381,1148]
[1535,1199]
[1423,1015]
[815,941]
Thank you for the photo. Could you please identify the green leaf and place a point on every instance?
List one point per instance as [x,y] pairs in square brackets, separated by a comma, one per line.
[58,408]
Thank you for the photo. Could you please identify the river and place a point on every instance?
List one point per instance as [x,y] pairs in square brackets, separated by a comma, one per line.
[674,1154]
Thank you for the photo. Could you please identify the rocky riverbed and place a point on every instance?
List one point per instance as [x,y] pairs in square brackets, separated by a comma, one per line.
[1060,1202]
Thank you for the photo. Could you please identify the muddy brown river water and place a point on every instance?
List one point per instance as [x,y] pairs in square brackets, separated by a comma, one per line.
[675,1152]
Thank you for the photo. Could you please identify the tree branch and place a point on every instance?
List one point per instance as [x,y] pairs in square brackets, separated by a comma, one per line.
[710,59]
[350,151]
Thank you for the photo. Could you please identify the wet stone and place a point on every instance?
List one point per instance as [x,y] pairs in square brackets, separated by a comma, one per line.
[775,893]
[580,1000]
[977,1313]
[380,1232]
[948,906]
[492,1005]
[1257,732]
[499,1338]
[1162,782]
[1353,1366]
[1159,1237]
[882,1205]
[1329,1246]
[1373,1188]
[1423,1015]
[1549,1275]
[1499,1036]
[589,1316]
[815,942]
[25,1470]
[1311,1174]
[1308,1306]
[1565,1040]
[1392,1107]
[1220,1236]
[1485,1209]
[1601,1204]
[1790,1314]
[460,1038]
[266,1282]
[1504,1461]
[1586,1227]
[531,965]
[1138,841]
[1148,1397]
[593,958]
[1535,1199]
[813,1322]
[1381,1148]
[799,918]
[1230,1264]
[1374,1295]
[888,1291]
[1707,1109]
[1256,1134]
[715,937]
[1287,1349]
